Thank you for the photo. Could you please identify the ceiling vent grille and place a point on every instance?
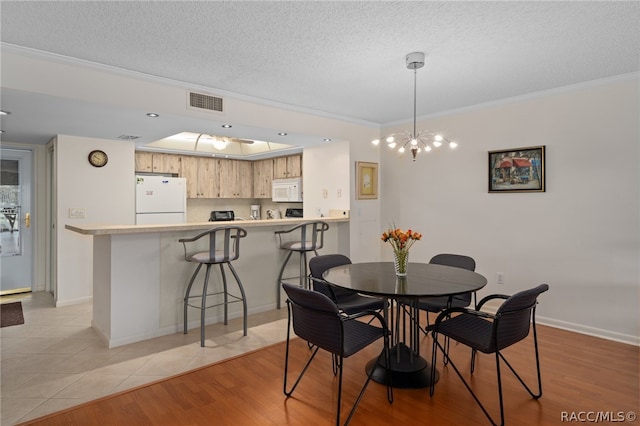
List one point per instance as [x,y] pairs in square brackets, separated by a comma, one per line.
[202,101]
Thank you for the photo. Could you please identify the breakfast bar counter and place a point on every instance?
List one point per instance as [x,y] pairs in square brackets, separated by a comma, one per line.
[140,275]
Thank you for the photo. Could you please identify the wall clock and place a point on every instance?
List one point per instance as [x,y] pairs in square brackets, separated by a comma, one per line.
[98,158]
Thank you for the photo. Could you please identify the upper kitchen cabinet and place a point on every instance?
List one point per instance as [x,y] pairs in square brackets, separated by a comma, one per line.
[202,176]
[236,179]
[144,161]
[287,167]
[262,177]
[153,162]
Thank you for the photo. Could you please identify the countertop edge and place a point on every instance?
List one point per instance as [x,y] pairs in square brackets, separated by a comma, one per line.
[104,229]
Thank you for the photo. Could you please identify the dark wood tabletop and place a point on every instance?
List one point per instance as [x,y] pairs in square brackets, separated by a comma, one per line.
[422,280]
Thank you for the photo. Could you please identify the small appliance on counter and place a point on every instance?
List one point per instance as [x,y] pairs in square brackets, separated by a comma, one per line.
[293,213]
[273,214]
[222,216]
[255,211]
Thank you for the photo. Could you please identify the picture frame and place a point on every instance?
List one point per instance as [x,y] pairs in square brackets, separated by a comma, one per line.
[517,170]
[366,180]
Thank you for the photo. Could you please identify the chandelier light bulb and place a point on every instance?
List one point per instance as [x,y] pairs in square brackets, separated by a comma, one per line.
[392,145]
[401,150]
[414,142]
[375,141]
[438,138]
[452,145]
[427,148]
[437,143]
[390,139]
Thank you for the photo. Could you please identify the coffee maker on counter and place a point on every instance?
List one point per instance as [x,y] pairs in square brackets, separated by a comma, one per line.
[255,212]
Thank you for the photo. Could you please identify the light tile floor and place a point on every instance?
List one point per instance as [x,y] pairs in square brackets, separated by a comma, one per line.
[55,360]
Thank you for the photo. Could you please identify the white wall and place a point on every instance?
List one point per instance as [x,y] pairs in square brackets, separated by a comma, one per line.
[581,236]
[107,195]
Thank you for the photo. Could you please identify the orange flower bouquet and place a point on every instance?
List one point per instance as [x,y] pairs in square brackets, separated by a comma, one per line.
[401,242]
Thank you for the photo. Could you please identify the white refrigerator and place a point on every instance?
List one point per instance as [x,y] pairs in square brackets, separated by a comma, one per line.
[160,200]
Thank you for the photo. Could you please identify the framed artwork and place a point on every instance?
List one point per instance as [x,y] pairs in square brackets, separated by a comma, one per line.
[366,180]
[517,170]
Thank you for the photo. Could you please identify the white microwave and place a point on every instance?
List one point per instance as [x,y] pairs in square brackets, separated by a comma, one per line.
[287,190]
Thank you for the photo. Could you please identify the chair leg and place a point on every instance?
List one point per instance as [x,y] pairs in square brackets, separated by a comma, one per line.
[499,357]
[303,269]
[288,393]
[186,296]
[203,308]
[279,283]
[242,294]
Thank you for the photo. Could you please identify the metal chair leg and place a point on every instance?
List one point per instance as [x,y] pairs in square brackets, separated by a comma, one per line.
[186,296]
[279,283]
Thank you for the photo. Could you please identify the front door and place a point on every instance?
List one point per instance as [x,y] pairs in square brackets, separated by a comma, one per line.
[16,236]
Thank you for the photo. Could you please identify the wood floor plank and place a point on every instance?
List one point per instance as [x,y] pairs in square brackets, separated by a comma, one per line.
[579,373]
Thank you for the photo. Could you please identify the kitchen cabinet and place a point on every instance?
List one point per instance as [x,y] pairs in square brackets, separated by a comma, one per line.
[144,161]
[288,166]
[262,178]
[167,163]
[236,179]
[158,162]
[202,176]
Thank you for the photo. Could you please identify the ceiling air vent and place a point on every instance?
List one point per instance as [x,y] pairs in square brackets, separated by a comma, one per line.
[208,102]
[128,137]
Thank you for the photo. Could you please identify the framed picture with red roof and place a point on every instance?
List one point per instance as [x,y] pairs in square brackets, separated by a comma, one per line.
[517,170]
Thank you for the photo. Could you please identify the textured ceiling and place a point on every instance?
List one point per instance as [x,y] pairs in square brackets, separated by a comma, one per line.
[344,58]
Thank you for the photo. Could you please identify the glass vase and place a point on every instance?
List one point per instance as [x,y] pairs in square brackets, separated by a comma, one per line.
[400,262]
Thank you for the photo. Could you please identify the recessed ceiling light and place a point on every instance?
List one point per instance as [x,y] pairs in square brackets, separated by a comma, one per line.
[282,134]
[327,139]
[4,112]
[227,126]
[153,115]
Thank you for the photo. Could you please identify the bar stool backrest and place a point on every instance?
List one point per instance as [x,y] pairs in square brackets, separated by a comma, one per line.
[224,245]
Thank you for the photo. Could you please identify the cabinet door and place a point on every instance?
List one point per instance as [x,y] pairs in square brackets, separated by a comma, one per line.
[236,179]
[207,177]
[189,170]
[245,179]
[166,163]
[288,166]
[228,178]
[144,161]
[294,166]
[262,177]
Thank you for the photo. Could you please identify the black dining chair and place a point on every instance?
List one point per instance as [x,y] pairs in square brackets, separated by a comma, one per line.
[317,319]
[439,303]
[490,334]
[348,301]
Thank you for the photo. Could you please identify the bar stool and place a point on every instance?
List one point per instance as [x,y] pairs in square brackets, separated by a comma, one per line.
[224,247]
[311,239]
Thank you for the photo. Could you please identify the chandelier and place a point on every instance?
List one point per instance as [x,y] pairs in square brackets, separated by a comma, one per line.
[416,142]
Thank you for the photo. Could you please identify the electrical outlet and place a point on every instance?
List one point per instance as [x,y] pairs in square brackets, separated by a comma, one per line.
[499,277]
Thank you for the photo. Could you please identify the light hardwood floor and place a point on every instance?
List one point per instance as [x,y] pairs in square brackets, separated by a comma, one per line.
[581,375]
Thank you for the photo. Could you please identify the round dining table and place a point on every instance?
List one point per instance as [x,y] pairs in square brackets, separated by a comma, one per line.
[378,279]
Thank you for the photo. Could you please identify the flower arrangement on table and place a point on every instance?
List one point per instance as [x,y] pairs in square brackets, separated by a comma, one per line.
[401,242]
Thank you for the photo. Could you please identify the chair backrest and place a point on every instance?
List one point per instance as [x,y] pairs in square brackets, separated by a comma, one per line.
[224,243]
[514,316]
[316,318]
[455,260]
[318,265]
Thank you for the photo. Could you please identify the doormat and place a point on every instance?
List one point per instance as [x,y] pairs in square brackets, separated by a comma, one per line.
[11,314]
